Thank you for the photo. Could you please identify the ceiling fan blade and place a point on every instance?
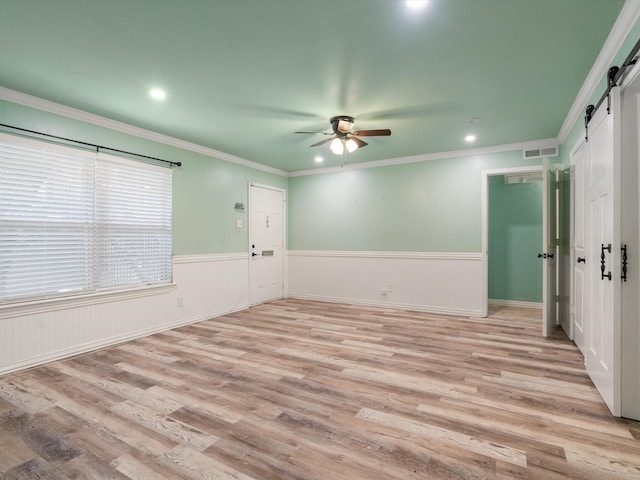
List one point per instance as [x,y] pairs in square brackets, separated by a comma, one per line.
[321,142]
[373,133]
[317,133]
[360,143]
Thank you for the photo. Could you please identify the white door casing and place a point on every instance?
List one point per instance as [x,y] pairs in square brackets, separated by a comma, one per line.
[549,248]
[266,243]
[485,223]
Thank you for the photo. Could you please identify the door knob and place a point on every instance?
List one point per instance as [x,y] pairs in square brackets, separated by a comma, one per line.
[582,260]
[542,255]
[254,254]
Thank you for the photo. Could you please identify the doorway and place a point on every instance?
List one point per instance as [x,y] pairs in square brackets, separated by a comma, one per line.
[515,230]
[548,252]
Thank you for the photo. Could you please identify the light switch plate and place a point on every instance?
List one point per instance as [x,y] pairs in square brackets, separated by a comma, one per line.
[239,223]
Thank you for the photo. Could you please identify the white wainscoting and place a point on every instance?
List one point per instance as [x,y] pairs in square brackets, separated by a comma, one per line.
[205,285]
[449,283]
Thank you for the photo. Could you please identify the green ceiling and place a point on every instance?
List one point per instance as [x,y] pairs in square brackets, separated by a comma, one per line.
[242,76]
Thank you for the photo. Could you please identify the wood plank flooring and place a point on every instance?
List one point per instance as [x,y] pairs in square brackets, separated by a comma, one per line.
[306,390]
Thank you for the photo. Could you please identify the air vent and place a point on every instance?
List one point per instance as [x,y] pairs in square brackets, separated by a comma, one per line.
[540,152]
[523,178]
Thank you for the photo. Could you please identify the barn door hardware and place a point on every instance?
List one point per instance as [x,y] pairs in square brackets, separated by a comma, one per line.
[603,262]
[611,82]
[624,262]
[589,111]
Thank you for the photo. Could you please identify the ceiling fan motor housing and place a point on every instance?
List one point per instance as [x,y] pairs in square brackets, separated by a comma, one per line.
[342,124]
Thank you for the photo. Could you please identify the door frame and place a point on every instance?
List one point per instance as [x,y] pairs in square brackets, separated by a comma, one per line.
[484,308]
[285,270]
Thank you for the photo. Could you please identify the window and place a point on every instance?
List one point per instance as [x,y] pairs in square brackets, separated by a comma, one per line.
[74,222]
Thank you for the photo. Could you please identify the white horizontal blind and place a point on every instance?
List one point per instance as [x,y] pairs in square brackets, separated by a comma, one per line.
[46,206]
[72,223]
[133,217]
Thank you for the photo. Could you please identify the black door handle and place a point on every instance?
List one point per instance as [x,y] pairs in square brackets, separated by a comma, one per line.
[582,260]
[542,255]
[254,254]
[603,262]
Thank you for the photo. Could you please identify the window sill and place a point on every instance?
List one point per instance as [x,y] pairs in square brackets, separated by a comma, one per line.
[62,303]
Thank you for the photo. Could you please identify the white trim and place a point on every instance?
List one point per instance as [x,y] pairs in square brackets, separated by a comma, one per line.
[52,304]
[630,78]
[92,346]
[405,255]
[628,16]
[547,142]
[515,303]
[390,305]
[211,257]
[76,114]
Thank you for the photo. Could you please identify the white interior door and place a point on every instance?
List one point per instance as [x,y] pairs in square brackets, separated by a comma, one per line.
[630,238]
[602,251]
[580,161]
[266,243]
[549,254]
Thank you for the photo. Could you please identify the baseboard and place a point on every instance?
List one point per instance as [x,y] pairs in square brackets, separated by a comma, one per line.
[515,303]
[93,346]
[392,305]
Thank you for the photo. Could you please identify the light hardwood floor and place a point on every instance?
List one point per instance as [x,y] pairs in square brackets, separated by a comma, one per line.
[305,390]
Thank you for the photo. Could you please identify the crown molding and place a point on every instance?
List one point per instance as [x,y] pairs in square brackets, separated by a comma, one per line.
[547,142]
[627,18]
[37,103]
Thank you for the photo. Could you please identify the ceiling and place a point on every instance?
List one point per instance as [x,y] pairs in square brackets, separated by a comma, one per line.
[242,76]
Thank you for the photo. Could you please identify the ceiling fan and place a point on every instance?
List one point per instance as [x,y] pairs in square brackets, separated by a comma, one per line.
[343,138]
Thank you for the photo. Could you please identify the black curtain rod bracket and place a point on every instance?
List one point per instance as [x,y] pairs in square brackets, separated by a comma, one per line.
[93,145]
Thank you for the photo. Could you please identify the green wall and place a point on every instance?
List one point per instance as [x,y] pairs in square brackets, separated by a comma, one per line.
[515,239]
[205,189]
[431,206]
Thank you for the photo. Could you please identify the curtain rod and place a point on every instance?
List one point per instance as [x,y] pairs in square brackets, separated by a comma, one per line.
[614,75]
[97,147]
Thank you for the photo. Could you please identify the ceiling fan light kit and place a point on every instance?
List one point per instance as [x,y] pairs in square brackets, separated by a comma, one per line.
[343,138]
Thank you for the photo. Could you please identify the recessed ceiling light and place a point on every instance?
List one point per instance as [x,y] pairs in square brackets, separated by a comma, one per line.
[415,4]
[470,138]
[319,159]
[157,94]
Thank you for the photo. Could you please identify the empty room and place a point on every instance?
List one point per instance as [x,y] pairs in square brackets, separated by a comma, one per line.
[319,240]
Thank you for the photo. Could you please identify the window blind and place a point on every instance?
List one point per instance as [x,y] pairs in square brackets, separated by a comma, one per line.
[73,222]
[133,220]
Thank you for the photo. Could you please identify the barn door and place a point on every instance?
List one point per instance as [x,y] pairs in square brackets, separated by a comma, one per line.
[602,244]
